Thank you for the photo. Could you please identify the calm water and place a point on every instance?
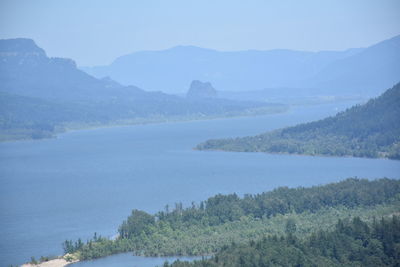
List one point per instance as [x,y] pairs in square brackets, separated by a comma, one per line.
[126,259]
[88,181]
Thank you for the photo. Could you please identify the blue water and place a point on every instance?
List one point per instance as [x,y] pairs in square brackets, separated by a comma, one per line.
[88,181]
[127,259]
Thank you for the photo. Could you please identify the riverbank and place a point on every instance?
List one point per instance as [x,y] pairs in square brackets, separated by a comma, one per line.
[88,158]
[61,262]
[13,135]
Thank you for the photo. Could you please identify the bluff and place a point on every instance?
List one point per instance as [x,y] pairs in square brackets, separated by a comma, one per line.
[200,90]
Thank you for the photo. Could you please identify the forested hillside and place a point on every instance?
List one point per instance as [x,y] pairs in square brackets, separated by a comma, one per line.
[205,228]
[369,130]
[41,96]
[351,243]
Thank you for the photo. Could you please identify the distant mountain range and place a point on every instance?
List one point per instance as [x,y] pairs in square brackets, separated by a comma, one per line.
[361,71]
[369,130]
[40,96]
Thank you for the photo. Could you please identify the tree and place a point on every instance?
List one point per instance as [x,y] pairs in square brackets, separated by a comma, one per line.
[290,227]
[138,222]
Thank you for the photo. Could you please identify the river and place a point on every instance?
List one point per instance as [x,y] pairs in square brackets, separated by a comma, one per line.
[88,181]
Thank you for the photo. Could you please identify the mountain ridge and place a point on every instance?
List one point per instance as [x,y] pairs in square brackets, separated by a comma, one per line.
[170,70]
[206,64]
[42,96]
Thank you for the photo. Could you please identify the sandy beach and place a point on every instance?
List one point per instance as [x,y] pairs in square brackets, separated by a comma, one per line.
[50,263]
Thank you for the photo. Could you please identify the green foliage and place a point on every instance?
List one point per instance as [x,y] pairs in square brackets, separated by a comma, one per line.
[34,261]
[351,243]
[70,247]
[138,223]
[370,130]
[69,258]
[290,227]
[23,117]
[203,229]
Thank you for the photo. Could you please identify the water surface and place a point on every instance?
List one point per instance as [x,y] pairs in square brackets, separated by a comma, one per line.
[127,259]
[88,181]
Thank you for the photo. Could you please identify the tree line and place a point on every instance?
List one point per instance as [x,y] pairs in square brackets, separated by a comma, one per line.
[371,130]
[204,228]
[351,243]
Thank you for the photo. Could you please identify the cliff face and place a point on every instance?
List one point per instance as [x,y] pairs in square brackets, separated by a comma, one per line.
[21,46]
[200,90]
[26,70]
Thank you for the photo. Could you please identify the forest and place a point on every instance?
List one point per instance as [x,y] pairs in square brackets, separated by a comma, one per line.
[370,130]
[205,228]
[352,243]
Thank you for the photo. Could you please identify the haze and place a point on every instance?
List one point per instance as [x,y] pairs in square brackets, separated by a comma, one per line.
[96,32]
[121,123]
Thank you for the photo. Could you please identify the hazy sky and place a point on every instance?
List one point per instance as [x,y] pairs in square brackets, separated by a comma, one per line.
[94,32]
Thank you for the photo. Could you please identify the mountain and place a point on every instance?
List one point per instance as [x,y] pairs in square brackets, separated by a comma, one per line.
[40,96]
[201,90]
[26,70]
[172,69]
[359,71]
[369,130]
[376,67]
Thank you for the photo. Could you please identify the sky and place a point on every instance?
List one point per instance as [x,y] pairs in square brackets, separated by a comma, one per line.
[95,32]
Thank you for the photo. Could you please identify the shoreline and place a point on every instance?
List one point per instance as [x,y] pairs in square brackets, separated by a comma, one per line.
[74,128]
[294,154]
[262,111]
[59,262]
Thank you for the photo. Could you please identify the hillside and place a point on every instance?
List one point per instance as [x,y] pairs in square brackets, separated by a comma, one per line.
[376,67]
[359,71]
[41,96]
[369,130]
